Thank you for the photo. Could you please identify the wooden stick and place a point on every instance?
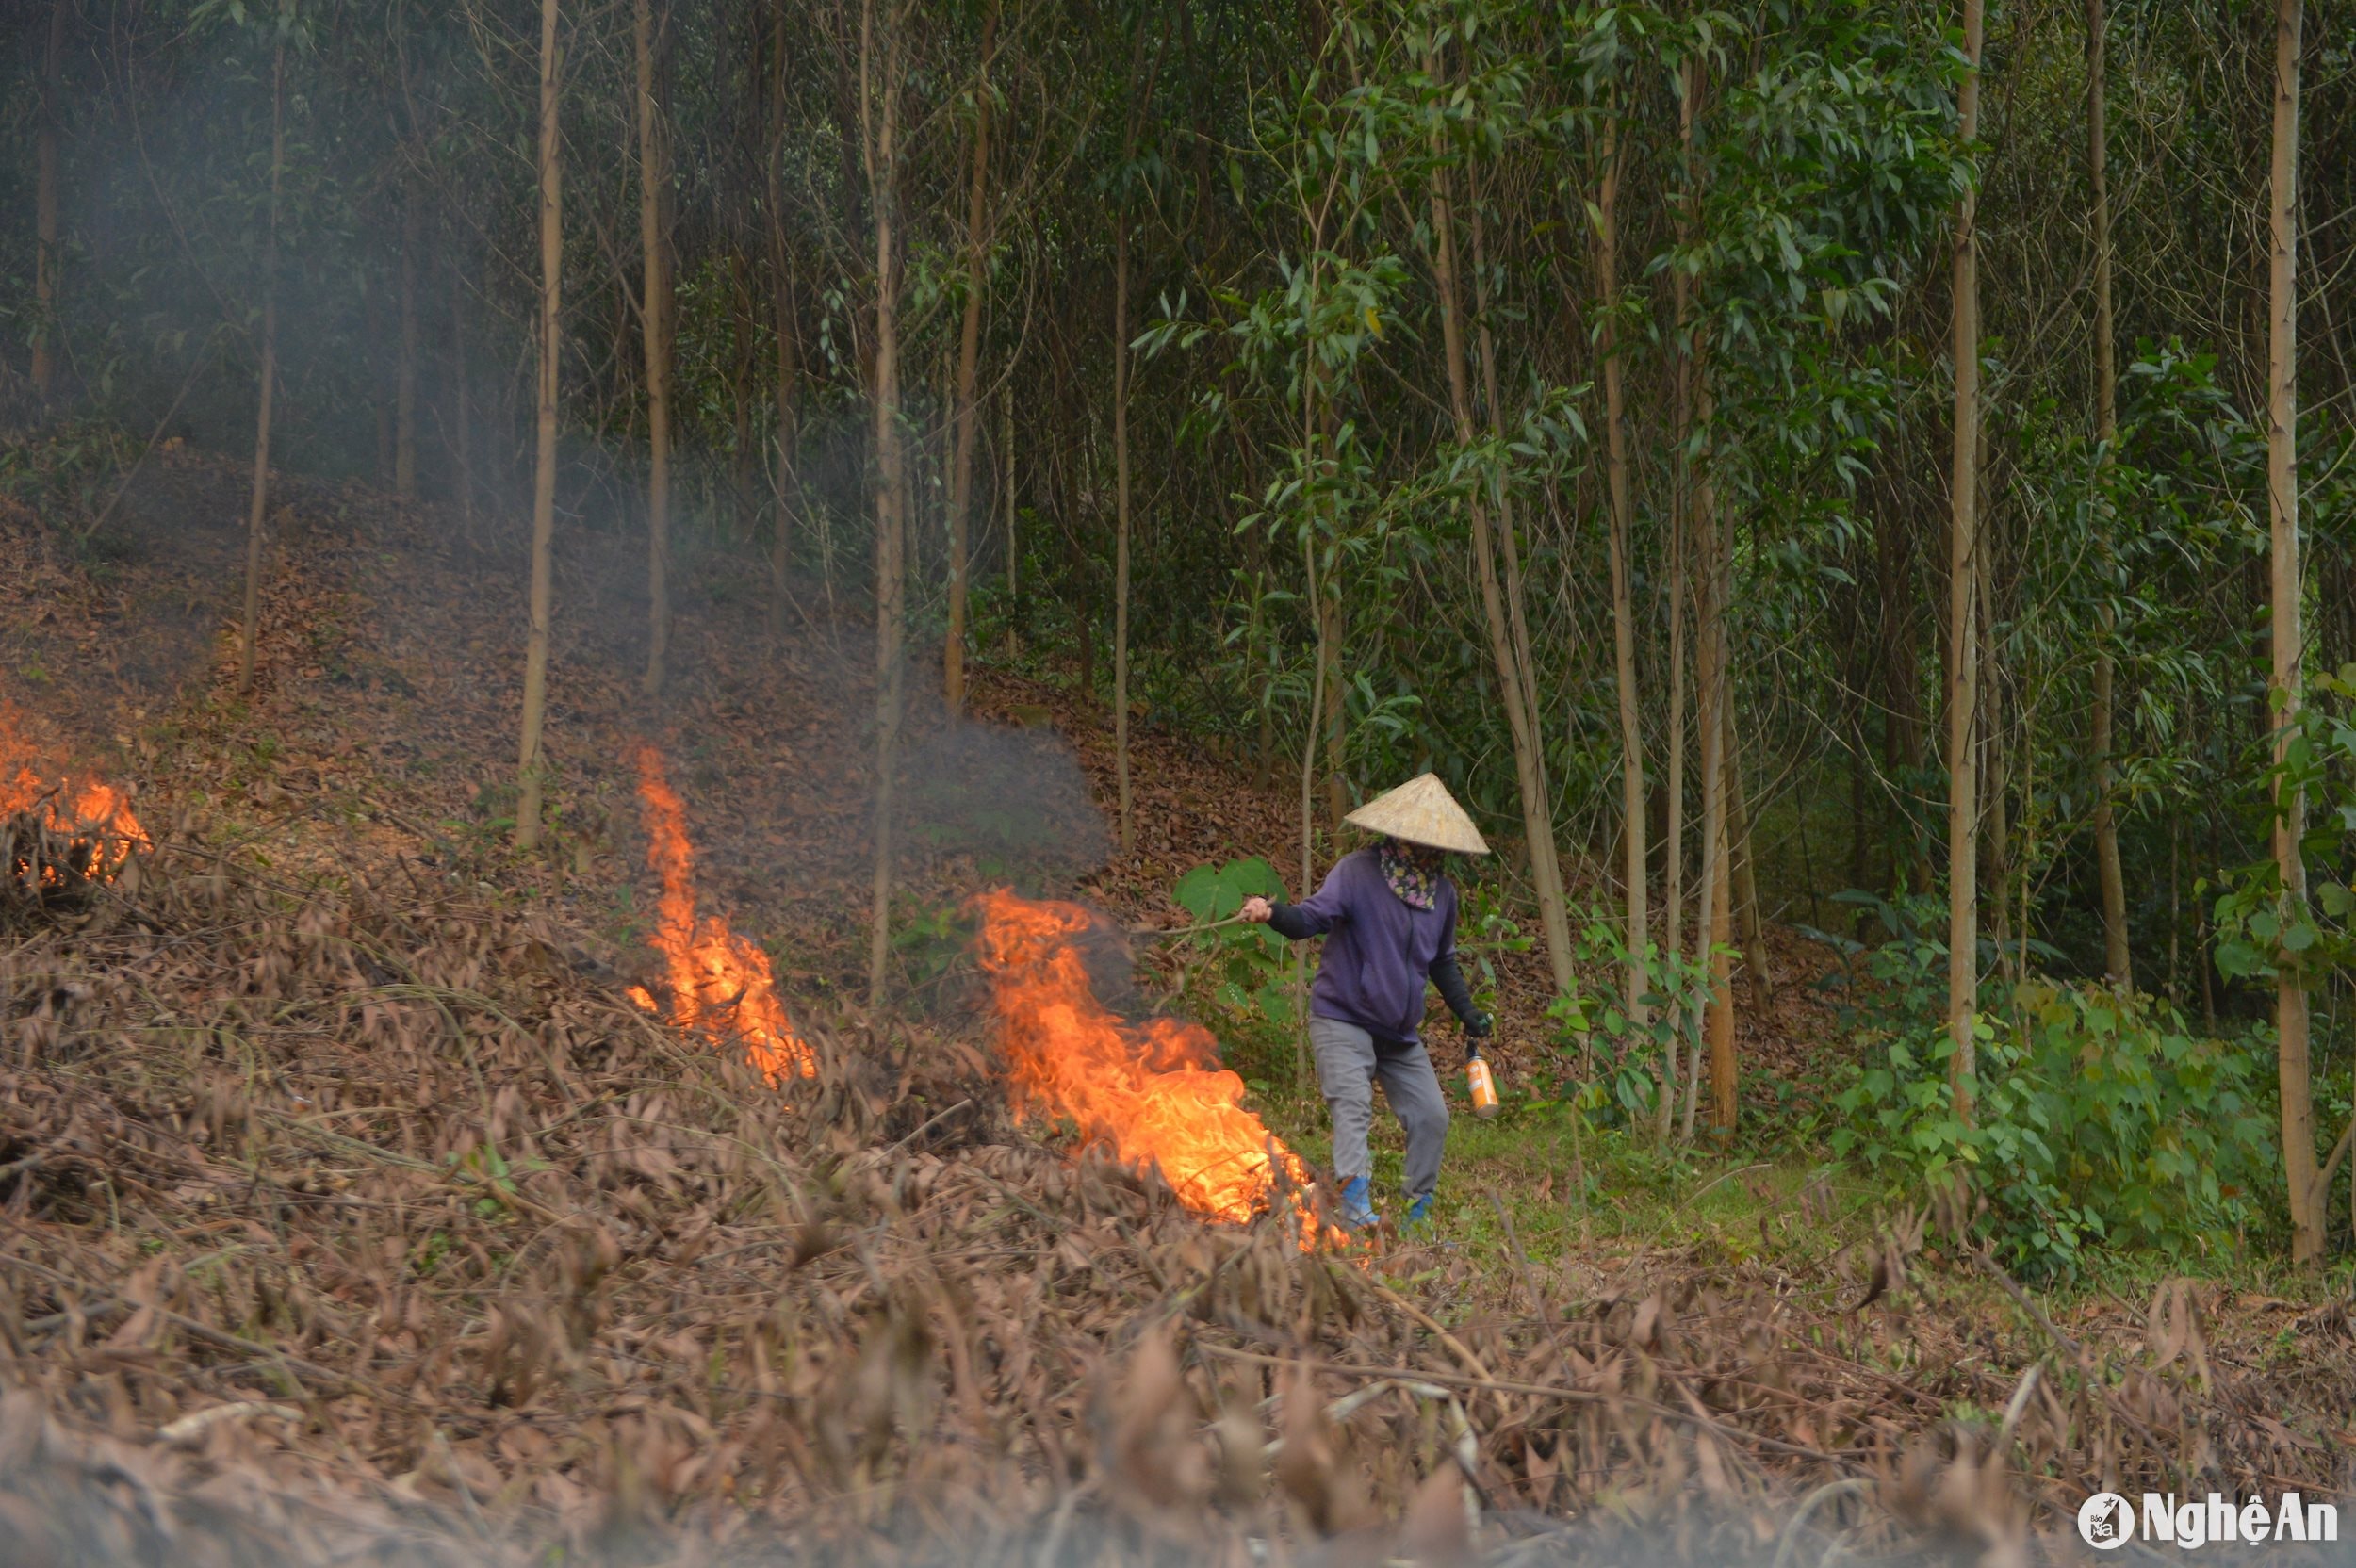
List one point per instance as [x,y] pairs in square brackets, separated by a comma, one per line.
[1180,930]
[1455,1347]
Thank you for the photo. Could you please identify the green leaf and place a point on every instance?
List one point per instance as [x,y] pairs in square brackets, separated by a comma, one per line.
[1197,892]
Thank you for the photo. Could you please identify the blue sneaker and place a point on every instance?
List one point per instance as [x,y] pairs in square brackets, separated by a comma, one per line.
[1358,1205]
[1419,1212]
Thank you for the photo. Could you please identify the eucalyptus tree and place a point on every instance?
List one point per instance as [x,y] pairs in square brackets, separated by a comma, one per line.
[1963,608]
[548,164]
[265,396]
[1605,55]
[1824,165]
[654,315]
[2116,963]
[967,414]
[2286,686]
[1473,109]
[883,62]
[45,257]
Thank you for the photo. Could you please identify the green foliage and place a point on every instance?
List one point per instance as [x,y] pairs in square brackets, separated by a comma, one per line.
[2260,924]
[1248,965]
[1484,930]
[929,941]
[2099,1119]
[68,474]
[492,1177]
[1671,988]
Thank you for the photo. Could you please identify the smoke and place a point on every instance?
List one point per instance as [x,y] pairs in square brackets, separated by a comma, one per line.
[1013,802]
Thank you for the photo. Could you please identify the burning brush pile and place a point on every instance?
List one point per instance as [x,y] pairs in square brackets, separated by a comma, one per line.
[718,981]
[381,1223]
[1151,1095]
[61,838]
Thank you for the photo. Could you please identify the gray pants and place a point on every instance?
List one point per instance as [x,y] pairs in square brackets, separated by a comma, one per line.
[1348,1061]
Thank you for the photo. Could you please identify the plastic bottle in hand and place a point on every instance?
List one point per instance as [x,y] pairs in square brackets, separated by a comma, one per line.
[1484,1084]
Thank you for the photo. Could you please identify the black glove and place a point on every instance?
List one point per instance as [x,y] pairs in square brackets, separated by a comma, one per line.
[1477,1029]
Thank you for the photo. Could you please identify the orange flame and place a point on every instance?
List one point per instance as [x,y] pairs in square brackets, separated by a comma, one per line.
[719,982]
[1153,1092]
[95,815]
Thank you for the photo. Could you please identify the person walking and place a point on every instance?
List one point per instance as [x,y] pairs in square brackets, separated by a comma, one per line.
[1388,917]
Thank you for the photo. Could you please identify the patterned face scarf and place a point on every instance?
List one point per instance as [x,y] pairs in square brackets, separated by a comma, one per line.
[1413,871]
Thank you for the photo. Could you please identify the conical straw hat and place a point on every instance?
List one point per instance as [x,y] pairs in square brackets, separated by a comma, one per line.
[1422,812]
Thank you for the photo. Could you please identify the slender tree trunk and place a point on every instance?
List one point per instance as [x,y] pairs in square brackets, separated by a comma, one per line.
[1014,540]
[1673,870]
[1681,533]
[1707,531]
[968,422]
[1255,619]
[1312,394]
[1717,839]
[1308,779]
[879,96]
[405,373]
[1724,1067]
[258,509]
[1711,922]
[1717,997]
[789,334]
[1963,807]
[1622,606]
[1332,621]
[1517,616]
[1537,817]
[532,763]
[2288,688]
[1120,528]
[788,438]
[654,321]
[744,454]
[1996,840]
[2116,963]
[1255,634]
[45,261]
[1854,673]
[1749,917]
[1902,730]
[462,420]
[2175,911]
[1084,597]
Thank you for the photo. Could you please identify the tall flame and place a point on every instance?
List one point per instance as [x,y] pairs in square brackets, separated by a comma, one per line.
[1153,1092]
[720,982]
[93,814]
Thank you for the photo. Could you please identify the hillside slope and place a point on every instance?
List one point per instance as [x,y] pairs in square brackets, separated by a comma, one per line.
[351,1207]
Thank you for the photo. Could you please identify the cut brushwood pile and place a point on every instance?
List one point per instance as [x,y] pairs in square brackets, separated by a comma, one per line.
[377,1213]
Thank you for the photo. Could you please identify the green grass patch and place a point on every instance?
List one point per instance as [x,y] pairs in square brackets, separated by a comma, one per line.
[1559,1187]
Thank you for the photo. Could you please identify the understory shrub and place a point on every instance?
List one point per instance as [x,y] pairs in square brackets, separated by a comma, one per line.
[2100,1118]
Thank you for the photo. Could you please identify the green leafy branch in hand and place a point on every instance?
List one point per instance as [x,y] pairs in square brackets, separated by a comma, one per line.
[1246,962]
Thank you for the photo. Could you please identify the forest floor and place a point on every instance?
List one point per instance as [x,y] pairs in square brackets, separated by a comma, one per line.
[365,784]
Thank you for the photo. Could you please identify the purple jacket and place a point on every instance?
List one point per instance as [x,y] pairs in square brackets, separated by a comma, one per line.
[1378,951]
